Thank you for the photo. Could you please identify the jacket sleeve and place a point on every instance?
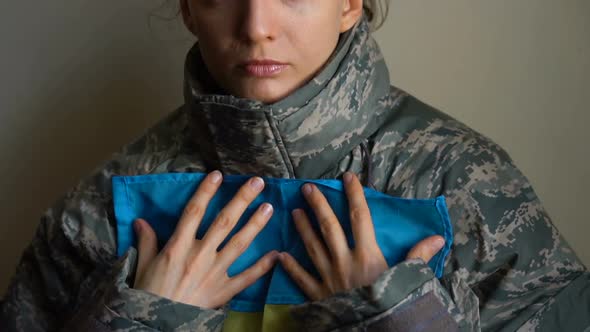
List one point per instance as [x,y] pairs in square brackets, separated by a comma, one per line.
[506,247]
[509,267]
[70,279]
[407,297]
[117,307]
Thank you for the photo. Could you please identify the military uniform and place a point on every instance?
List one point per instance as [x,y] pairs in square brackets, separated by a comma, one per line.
[509,268]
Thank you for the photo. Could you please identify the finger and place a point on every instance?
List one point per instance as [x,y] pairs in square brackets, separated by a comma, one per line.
[231,213]
[249,276]
[194,211]
[361,223]
[329,225]
[314,247]
[147,246]
[306,282]
[242,240]
[427,248]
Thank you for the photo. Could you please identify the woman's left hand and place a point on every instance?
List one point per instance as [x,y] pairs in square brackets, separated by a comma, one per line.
[340,267]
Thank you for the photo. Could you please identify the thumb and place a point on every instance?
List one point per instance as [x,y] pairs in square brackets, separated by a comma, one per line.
[147,246]
[427,248]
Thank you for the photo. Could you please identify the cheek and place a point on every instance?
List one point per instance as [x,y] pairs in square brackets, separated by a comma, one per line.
[315,47]
[215,55]
[212,38]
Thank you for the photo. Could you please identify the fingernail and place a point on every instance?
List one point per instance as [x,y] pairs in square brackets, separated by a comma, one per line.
[296,213]
[307,189]
[347,177]
[266,209]
[257,183]
[215,176]
[438,243]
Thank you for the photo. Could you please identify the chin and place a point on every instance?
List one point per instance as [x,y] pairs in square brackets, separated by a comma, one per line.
[265,93]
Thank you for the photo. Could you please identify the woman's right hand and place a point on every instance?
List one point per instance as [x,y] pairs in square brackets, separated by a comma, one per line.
[193,271]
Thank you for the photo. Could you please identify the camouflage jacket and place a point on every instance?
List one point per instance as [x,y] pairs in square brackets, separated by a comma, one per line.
[509,268]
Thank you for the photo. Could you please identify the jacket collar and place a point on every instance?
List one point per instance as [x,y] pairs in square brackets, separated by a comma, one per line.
[303,135]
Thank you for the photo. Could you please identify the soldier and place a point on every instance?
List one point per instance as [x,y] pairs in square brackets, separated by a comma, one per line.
[299,89]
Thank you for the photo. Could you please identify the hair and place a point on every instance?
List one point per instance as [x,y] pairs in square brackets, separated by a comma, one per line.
[376,12]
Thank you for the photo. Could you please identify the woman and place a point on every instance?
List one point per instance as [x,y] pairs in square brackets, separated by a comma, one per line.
[299,89]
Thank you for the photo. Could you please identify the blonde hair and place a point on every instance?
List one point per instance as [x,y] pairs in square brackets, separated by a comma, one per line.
[376,12]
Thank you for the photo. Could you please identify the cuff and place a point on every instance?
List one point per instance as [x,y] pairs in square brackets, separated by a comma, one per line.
[131,307]
[402,283]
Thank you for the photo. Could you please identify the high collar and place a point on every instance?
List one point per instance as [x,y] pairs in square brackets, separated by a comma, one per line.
[303,135]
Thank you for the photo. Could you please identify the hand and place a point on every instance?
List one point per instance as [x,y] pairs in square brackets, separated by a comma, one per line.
[340,267]
[193,271]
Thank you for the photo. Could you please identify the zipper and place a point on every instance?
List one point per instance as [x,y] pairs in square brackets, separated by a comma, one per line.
[280,145]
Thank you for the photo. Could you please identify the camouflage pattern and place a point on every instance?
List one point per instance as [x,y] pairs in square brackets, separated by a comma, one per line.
[509,268]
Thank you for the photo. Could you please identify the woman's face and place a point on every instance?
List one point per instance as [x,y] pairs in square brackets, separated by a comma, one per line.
[266,49]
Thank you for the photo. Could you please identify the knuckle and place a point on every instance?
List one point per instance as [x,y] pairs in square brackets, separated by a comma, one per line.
[417,253]
[260,268]
[288,263]
[223,221]
[193,209]
[238,244]
[189,267]
[259,265]
[196,208]
[299,279]
[169,255]
[257,271]
[327,227]
[208,188]
[251,275]
[268,263]
[314,250]
[246,195]
[258,222]
[242,198]
[361,255]
[316,198]
[358,214]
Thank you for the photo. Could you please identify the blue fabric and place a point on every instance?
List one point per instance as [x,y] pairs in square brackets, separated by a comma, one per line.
[160,199]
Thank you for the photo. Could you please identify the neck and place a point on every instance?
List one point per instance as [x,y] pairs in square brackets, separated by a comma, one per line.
[303,135]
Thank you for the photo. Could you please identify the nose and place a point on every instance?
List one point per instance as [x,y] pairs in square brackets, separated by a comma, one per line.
[258,22]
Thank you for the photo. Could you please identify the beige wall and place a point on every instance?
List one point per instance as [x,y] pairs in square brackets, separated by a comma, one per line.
[80,78]
[517,71]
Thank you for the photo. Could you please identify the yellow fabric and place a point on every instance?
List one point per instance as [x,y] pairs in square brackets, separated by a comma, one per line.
[275,318]
[242,321]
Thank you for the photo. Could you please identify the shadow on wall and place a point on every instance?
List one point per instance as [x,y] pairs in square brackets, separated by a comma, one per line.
[68,116]
[74,126]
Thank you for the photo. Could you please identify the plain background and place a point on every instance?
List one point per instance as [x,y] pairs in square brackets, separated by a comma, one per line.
[78,79]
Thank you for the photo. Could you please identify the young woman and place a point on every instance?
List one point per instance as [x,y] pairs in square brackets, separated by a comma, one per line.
[299,89]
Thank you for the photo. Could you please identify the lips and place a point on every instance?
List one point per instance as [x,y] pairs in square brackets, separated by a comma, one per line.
[263,68]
